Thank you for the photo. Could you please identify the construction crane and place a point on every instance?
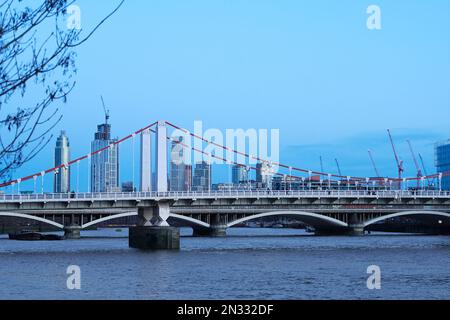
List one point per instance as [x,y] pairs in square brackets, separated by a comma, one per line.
[105,110]
[373,164]
[338,167]
[398,162]
[424,169]
[416,163]
[321,165]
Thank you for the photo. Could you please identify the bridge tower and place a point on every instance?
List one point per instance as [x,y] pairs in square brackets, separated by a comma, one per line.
[161,157]
[153,232]
[146,162]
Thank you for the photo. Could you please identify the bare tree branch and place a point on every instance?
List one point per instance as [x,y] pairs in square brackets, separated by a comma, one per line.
[36,58]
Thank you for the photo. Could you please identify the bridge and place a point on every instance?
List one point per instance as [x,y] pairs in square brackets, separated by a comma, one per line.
[337,205]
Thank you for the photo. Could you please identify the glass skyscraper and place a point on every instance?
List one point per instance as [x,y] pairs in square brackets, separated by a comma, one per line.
[62,156]
[442,158]
[105,165]
[177,166]
[202,177]
[239,175]
[264,174]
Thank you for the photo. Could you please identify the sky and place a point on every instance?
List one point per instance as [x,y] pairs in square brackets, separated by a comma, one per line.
[311,69]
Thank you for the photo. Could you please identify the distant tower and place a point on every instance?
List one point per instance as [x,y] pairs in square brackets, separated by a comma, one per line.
[177,166]
[239,174]
[442,160]
[264,174]
[61,182]
[202,177]
[188,177]
[105,165]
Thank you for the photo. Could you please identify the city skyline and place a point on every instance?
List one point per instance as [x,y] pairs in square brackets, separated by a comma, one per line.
[180,176]
[262,175]
[375,80]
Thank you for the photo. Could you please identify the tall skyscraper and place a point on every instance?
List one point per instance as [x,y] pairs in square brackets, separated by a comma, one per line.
[188,177]
[177,166]
[202,177]
[239,174]
[442,159]
[61,182]
[105,165]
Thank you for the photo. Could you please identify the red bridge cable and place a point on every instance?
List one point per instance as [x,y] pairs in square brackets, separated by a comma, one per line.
[72,162]
[300,169]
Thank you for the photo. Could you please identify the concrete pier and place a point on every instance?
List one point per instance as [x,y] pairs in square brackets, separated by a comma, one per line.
[154,238]
[216,231]
[356,230]
[72,232]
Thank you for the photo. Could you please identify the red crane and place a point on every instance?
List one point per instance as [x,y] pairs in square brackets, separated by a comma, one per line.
[398,162]
[416,163]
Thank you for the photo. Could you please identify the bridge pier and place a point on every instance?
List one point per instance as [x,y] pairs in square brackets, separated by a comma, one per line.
[153,231]
[355,230]
[154,238]
[213,231]
[72,232]
[356,225]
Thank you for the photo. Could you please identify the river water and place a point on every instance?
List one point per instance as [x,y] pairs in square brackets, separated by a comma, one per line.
[248,264]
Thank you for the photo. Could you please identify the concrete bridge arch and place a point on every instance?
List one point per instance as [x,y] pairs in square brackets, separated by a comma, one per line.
[315,220]
[31,217]
[404,214]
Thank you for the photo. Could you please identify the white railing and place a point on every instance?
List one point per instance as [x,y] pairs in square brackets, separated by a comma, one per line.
[224,194]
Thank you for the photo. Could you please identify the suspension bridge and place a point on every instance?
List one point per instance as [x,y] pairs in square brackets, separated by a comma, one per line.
[334,204]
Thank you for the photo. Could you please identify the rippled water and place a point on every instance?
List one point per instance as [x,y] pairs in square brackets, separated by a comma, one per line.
[248,264]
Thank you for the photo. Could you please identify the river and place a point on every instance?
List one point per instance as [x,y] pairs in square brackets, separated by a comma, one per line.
[249,263]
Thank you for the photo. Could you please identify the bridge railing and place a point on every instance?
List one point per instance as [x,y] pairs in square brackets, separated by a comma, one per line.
[224,194]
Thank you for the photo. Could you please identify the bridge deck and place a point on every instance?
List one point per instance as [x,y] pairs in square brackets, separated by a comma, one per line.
[238,194]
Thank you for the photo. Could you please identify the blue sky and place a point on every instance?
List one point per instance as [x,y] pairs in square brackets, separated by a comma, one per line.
[309,68]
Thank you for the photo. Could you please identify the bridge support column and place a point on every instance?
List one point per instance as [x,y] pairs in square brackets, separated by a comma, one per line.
[154,238]
[153,231]
[72,232]
[214,231]
[355,225]
[356,230]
